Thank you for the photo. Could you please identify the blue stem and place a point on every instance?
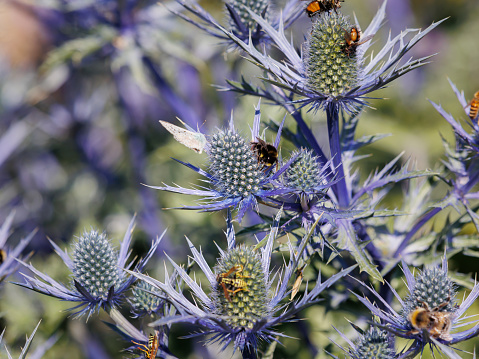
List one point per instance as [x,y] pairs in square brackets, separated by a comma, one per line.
[340,188]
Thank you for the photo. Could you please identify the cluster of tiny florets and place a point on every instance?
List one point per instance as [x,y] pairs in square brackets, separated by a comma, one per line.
[304,173]
[329,69]
[257,6]
[143,300]
[95,264]
[234,166]
[374,344]
[433,287]
[245,307]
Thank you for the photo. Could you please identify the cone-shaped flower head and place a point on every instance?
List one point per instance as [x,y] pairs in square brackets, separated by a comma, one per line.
[259,7]
[99,279]
[231,159]
[241,291]
[330,68]
[305,173]
[374,344]
[143,300]
[95,264]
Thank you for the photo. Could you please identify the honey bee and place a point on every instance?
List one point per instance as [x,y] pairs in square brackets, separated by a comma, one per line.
[319,6]
[3,256]
[474,109]
[266,153]
[437,323]
[151,349]
[352,38]
[235,284]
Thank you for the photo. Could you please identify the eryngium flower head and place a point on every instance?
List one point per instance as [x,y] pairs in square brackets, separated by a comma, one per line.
[95,285]
[334,56]
[330,69]
[374,344]
[143,300]
[95,265]
[246,275]
[257,6]
[432,293]
[241,290]
[235,176]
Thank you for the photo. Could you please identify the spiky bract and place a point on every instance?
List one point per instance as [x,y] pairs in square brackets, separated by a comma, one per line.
[249,304]
[96,264]
[235,167]
[329,69]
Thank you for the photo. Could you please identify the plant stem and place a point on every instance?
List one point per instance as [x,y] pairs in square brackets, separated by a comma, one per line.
[339,188]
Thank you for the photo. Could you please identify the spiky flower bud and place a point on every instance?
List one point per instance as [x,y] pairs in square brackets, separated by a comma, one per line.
[241,292]
[330,69]
[304,174]
[234,165]
[95,264]
[257,6]
[374,344]
[434,288]
[143,300]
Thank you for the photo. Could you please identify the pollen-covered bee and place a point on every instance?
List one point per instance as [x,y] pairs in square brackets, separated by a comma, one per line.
[319,6]
[352,38]
[235,284]
[151,349]
[474,107]
[437,323]
[266,153]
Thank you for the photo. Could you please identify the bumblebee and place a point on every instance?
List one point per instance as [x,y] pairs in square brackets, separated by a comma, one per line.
[3,256]
[437,323]
[351,39]
[266,153]
[151,349]
[474,107]
[319,6]
[235,284]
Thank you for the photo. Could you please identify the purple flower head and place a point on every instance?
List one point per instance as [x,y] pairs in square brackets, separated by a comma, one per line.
[98,277]
[240,20]
[430,314]
[243,304]
[236,177]
[331,71]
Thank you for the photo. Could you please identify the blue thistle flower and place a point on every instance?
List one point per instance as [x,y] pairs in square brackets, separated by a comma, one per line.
[143,300]
[98,277]
[240,20]
[235,176]
[243,305]
[429,314]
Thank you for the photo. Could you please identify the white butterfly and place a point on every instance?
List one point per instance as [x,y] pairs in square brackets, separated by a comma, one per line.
[193,140]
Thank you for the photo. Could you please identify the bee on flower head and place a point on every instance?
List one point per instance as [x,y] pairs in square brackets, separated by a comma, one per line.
[266,153]
[436,322]
[352,40]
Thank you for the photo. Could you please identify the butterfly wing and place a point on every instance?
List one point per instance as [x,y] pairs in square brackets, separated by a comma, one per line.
[193,140]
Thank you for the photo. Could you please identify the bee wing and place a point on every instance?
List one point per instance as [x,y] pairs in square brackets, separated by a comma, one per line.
[193,140]
[366,39]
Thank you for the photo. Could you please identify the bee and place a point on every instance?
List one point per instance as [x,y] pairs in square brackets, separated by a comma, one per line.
[352,38]
[474,109]
[266,153]
[235,284]
[3,256]
[319,6]
[437,323]
[151,349]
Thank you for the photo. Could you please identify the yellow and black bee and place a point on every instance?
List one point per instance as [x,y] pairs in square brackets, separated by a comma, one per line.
[235,284]
[319,6]
[436,322]
[266,153]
